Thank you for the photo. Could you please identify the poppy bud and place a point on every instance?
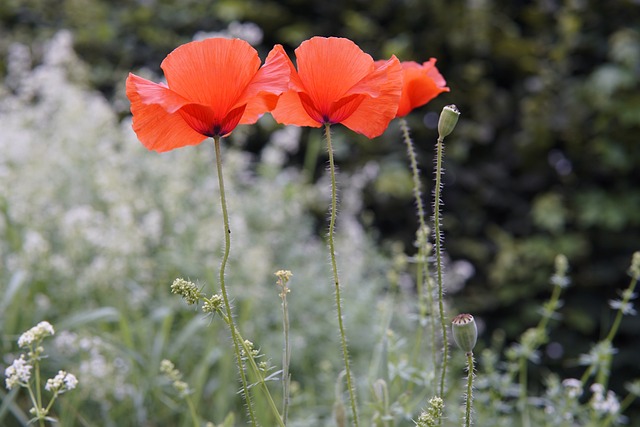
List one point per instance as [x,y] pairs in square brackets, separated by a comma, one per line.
[465,332]
[448,119]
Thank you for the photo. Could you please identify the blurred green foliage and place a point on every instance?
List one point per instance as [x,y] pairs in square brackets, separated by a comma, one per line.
[546,156]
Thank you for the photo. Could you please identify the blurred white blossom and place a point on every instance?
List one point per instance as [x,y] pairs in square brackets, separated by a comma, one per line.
[18,373]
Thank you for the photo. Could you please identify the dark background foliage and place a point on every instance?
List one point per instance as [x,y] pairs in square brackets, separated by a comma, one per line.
[545,159]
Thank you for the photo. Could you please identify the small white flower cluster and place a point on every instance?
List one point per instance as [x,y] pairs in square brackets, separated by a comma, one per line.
[573,387]
[62,382]
[602,405]
[18,373]
[37,333]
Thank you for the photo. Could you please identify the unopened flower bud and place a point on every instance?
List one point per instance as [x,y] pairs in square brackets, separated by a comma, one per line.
[448,120]
[465,332]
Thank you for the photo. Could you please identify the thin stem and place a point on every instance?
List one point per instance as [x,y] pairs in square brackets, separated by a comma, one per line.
[421,237]
[603,373]
[256,370]
[223,289]
[438,246]
[36,405]
[336,280]
[286,356]
[192,412]
[469,397]
[36,368]
[628,293]
[550,308]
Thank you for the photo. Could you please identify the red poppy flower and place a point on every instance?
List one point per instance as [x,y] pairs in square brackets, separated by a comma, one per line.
[421,84]
[336,82]
[212,86]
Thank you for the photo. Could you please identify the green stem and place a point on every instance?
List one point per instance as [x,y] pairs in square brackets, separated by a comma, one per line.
[603,373]
[421,237]
[223,289]
[256,370]
[336,280]
[37,407]
[438,247]
[192,411]
[628,293]
[36,368]
[286,357]
[469,397]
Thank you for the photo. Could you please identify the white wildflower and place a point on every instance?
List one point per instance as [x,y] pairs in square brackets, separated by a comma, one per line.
[18,373]
[37,333]
[602,405]
[573,386]
[62,382]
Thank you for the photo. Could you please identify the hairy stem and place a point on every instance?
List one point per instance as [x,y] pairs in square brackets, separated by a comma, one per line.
[223,288]
[438,246]
[336,279]
[286,357]
[469,397]
[256,370]
[422,273]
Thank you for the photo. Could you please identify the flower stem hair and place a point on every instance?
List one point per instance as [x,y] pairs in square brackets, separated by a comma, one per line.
[336,278]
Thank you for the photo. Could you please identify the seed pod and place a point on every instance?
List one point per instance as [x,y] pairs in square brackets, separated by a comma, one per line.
[448,120]
[465,332]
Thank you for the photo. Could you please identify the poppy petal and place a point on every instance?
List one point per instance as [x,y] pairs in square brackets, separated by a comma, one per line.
[373,115]
[434,74]
[269,82]
[205,121]
[422,83]
[213,72]
[370,85]
[154,93]
[290,111]
[156,128]
[329,67]
[344,108]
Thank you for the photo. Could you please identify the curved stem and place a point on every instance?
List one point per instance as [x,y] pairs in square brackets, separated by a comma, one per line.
[438,246]
[223,289]
[336,280]
[469,397]
[422,274]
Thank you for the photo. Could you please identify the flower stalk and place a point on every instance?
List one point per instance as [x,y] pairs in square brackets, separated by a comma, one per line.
[422,265]
[223,288]
[446,124]
[283,279]
[336,279]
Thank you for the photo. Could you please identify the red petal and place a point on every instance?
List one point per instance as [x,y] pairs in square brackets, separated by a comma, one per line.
[373,115]
[329,68]
[269,82]
[213,72]
[290,111]
[156,128]
[422,83]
